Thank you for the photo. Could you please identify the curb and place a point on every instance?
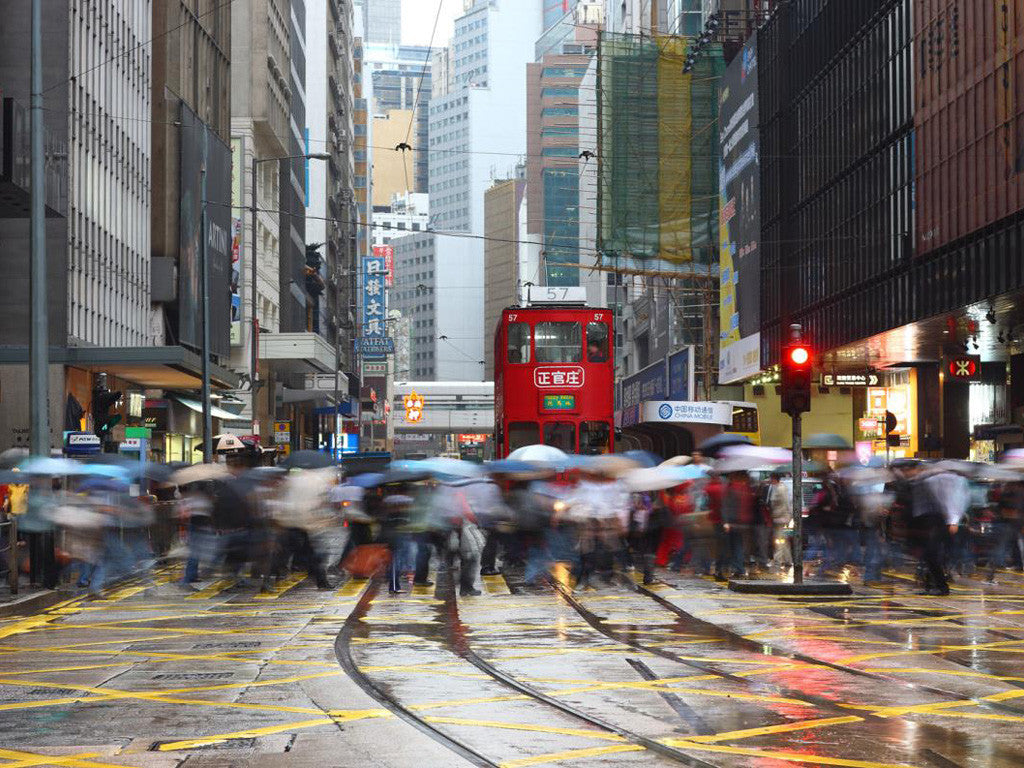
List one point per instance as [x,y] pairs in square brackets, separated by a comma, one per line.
[34,602]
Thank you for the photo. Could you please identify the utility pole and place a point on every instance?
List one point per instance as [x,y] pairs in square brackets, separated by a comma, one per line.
[254,323]
[39,351]
[203,260]
[798,500]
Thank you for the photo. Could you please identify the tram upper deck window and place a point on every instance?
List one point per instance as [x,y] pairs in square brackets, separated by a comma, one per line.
[558,342]
[597,343]
[518,343]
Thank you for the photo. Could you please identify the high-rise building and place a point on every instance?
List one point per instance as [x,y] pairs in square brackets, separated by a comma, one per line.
[329,211]
[399,86]
[554,143]
[382,21]
[506,266]
[472,142]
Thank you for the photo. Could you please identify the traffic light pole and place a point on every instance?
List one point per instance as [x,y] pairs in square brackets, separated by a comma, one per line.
[798,500]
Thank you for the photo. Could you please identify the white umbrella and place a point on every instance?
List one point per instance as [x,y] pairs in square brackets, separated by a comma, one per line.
[997,473]
[731,464]
[546,455]
[763,454]
[660,478]
[609,464]
[677,461]
[1014,457]
[198,473]
[227,442]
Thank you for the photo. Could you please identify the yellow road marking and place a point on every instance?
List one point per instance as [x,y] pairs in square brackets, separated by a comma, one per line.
[336,716]
[588,733]
[572,754]
[212,590]
[26,759]
[496,585]
[174,746]
[803,725]
[795,757]
[999,645]
[282,586]
[352,587]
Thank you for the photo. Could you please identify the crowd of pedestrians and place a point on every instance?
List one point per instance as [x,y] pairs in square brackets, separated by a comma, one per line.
[597,516]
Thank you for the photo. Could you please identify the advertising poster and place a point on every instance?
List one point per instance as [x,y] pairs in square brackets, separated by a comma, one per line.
[740,225]
[201,148]
[236,240]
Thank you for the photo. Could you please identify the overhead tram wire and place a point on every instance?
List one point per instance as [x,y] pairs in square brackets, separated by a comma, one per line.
[423,72]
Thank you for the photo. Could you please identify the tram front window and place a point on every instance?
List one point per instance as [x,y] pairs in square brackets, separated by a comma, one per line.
[558,342]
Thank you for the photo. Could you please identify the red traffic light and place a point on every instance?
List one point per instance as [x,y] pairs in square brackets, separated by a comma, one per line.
[799,355]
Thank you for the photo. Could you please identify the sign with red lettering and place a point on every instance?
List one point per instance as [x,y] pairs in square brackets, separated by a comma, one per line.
[558,376]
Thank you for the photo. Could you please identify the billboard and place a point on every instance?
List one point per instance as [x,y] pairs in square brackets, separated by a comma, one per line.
[681,374]
[237,158]
[739,229]
[648,384]
[201,150]
[374,329]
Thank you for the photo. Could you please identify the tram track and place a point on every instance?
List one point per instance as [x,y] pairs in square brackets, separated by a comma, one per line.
[714,631]
[455,638]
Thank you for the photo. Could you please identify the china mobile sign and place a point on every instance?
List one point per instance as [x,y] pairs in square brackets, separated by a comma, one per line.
[551,376]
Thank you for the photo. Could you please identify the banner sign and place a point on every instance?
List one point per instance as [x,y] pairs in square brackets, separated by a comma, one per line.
[374,308]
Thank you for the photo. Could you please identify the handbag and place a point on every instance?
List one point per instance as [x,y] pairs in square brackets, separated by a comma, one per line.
[367,560]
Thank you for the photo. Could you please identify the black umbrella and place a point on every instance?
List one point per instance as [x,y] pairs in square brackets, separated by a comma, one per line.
[713,445]
[12,457]
[307,460]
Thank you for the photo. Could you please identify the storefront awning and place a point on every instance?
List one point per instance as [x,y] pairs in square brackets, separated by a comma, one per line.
[150,367]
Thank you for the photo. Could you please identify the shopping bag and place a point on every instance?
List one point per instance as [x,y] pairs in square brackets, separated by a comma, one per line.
[367,560]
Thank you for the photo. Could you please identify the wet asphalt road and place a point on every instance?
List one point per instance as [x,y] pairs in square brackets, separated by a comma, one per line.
[684,673]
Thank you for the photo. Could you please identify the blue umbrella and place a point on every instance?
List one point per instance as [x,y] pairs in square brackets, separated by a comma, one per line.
[508,467]
[98,484]
[643,458]
[47,465]
[105,470]
[365,480]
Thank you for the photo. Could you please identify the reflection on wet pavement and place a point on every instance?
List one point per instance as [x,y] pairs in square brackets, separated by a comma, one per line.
[685,673]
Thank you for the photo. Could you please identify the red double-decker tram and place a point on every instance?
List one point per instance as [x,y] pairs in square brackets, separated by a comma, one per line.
[553,379]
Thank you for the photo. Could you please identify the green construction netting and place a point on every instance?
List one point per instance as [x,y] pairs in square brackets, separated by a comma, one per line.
[658,150]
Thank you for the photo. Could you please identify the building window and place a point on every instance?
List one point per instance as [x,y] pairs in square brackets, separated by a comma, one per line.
[560,112]
[561,91]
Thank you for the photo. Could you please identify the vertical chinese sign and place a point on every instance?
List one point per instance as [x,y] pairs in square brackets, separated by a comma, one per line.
[374,308]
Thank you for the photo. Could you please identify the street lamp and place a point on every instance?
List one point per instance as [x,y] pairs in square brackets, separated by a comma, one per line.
[254,351]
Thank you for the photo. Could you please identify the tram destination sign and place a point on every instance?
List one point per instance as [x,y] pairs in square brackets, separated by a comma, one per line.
[867,379]
[558,403]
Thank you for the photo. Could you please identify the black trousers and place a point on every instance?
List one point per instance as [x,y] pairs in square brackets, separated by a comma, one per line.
[934,554]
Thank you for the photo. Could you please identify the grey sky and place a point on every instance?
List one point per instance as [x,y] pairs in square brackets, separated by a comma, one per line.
[418,20]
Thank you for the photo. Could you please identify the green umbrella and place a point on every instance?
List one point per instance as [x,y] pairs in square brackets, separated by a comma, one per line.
[827,441]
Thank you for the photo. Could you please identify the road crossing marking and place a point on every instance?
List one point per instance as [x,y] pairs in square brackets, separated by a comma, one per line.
[496,585]
[585,732]
[571,754]
[26,759]
[212,590]
[802,725]
[352,587]
[795,757]
[290,582]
